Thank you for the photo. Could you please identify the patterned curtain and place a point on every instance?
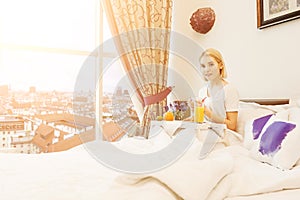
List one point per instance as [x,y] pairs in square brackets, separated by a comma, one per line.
[142,35]
[141,30]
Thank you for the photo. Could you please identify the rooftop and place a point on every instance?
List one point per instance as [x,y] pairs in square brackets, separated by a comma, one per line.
[69,119]
[44,130]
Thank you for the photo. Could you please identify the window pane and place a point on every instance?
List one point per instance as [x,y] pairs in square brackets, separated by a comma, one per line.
[117,104]
[57,23]
[106,30]
[112,74]
[45,71]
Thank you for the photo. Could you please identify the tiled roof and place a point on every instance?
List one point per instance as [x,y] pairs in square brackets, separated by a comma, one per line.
[40,142]
[112,131]
[68,118]
[44,130]
[73,141]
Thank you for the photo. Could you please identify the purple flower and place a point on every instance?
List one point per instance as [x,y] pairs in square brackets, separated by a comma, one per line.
[166,108]
[183,106]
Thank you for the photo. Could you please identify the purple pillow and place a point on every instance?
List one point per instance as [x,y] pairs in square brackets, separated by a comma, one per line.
[272,138]
[258,124]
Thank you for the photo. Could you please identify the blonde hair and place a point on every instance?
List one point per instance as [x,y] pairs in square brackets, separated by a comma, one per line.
[215,54]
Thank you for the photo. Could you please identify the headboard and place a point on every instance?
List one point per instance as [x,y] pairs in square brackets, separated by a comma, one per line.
[267,101]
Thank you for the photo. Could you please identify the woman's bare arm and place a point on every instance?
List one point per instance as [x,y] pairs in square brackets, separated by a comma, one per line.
[230,121]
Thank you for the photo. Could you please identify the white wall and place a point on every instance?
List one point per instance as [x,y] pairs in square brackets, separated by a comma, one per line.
[261,63]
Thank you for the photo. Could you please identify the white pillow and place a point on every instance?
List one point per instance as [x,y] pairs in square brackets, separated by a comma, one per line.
[248,135]
[295,100]
[294,114]
[278,141]
[249,112]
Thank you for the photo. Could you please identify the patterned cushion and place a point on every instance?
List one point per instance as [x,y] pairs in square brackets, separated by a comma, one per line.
[275,140]
[271,139]
[258,125]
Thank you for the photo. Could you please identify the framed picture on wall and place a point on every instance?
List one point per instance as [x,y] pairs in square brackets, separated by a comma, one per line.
[272,12]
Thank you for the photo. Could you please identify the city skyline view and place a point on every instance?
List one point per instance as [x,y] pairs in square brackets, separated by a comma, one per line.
[49,77]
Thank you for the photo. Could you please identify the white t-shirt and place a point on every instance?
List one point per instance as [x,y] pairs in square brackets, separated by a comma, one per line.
[225,100]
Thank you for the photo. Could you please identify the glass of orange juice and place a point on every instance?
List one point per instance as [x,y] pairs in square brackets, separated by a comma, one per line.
[198,112]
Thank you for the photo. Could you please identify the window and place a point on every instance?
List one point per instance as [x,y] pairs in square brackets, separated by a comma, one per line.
[43,45]
[45,41]
[61,24]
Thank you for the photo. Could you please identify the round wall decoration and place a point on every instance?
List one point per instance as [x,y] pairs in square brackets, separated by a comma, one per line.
[203,20]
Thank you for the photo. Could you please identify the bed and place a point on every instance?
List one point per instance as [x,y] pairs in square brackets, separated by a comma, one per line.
[229,172]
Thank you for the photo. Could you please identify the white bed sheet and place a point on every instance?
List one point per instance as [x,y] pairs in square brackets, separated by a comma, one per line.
[188,178]
[284,194]
[227,173]
[72,174]
[251,177]
[232,175]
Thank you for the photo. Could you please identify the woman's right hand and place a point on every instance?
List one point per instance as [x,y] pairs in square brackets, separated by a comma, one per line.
[207,112]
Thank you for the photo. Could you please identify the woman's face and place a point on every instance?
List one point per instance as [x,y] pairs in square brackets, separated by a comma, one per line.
[210,68]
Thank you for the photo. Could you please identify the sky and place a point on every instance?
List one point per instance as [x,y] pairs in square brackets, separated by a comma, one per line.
[47,24]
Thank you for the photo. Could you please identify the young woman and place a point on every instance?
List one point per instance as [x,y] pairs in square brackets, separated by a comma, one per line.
[220,98]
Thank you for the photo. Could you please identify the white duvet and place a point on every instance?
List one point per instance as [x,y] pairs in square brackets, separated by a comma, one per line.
[68,175]
[227,173]
[187,178]
[252,178]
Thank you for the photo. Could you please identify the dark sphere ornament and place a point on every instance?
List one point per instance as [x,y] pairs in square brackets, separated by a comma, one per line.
[203,20]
